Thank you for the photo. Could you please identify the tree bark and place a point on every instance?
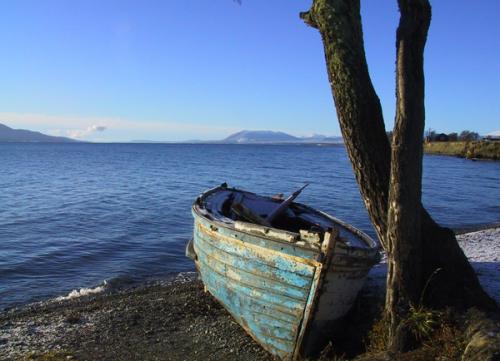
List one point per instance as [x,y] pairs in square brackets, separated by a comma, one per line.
[404,242]
[362,125]
[358,107]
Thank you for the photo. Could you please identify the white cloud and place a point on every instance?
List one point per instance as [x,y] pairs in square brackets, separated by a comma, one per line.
[82,133]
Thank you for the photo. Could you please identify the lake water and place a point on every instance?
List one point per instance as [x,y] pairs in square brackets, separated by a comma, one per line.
[74,215]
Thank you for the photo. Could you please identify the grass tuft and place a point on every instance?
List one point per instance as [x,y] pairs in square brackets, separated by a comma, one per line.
[422,322]
[439,333]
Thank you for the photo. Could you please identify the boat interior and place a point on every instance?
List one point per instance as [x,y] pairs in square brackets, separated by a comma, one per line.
[231,205]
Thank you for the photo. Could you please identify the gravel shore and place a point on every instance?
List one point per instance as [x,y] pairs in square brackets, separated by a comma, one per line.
[175,321]
[170,321]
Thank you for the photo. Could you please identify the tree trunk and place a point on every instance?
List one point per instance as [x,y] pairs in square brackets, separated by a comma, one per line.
[362,125]
[404,243]
[358,106]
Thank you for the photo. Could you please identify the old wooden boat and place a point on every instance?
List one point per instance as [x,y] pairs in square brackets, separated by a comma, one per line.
[281,277]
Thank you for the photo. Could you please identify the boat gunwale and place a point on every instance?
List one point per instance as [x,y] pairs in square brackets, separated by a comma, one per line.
[371,244]
[311,262]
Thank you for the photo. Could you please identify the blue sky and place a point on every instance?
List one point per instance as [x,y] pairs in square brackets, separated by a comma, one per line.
[186,69]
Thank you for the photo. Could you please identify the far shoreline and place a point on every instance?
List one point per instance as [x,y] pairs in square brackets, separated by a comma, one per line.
[473,150]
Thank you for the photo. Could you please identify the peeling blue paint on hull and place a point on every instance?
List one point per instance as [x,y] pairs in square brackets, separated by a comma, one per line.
[268,285]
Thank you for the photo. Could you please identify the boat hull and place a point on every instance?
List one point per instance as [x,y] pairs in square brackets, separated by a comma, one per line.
[268,293]
[276,290]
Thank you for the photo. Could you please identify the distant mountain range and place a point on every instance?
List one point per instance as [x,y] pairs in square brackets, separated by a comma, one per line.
[8,134]
[21,135]
[260,137]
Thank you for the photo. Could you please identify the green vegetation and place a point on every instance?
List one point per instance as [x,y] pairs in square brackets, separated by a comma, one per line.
[472,150]
[439,333]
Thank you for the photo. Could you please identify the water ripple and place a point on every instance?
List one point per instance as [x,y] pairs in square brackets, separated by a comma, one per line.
[74,215]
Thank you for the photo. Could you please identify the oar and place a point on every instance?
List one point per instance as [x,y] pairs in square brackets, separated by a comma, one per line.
[284,205]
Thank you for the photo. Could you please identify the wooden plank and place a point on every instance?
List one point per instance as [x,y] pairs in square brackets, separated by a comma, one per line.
[293,264]
[252,279]
[266,291]
[251,265]
[270,238]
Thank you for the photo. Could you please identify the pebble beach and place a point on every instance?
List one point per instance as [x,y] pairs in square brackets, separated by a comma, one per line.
[174,320]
